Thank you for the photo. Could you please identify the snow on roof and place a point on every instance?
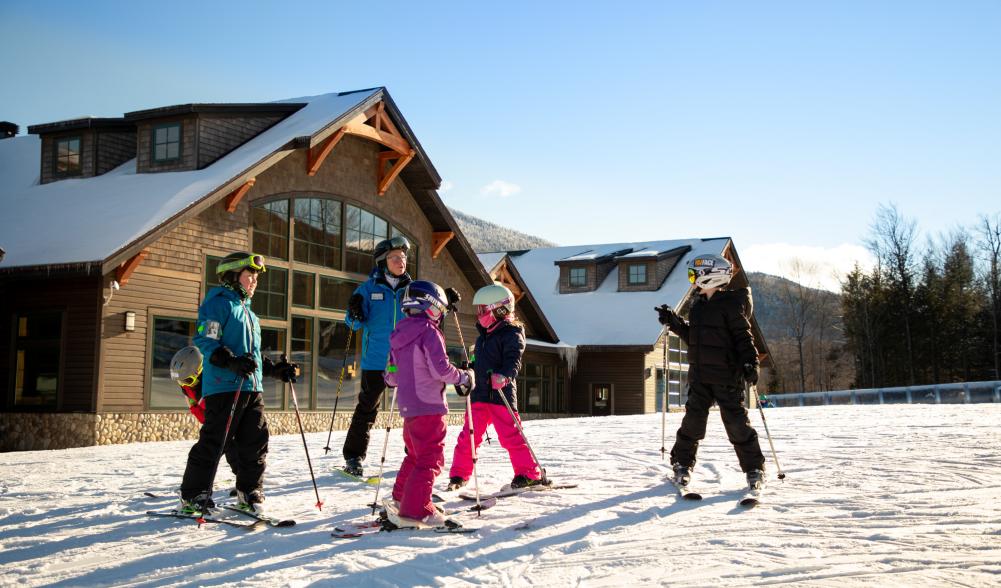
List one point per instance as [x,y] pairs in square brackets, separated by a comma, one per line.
[641,254]
[607,316]
[490,260]
[90,219]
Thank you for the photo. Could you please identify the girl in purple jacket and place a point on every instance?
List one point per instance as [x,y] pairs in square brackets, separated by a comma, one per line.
[420,370]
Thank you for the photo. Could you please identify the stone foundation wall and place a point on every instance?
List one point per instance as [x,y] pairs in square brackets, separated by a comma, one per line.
[39,431]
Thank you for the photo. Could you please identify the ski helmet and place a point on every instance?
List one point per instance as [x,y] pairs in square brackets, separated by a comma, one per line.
[186,366]
[229,267]
[382,249]
[709,271]
[427,297]
[495,301]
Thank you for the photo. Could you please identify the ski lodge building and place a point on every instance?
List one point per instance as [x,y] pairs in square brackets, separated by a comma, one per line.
[112,228]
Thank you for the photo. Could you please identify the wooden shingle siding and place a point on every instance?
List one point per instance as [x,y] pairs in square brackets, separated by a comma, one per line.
[77,299]
[217,136]
[114,149]
[623,370]
[144,146]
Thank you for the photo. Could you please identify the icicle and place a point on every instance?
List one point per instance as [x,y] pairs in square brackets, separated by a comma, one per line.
[568,354]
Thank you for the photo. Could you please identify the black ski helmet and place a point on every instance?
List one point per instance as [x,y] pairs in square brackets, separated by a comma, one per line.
[382,249]
[229,267]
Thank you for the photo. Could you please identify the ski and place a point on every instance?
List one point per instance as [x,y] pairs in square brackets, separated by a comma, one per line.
[203,519]
[685,491]
[270,521]
[507,490]
[751,497]
[371,481]
[355,530]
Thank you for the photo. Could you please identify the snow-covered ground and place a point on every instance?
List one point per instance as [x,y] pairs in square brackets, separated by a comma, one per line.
[875,495]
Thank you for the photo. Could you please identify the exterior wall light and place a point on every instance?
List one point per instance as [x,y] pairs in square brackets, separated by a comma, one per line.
[130,321]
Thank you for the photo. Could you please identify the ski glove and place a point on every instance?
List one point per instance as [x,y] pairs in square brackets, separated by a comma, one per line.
[283,370]
[751,374]
[355,310]
[665,315]
[241,366]
[453,297]
[467,381]
[498,381]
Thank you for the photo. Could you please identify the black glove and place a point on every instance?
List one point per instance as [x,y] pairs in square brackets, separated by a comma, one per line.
[751,374]
[466,383]
[453,297]
[284,370]
[241,366]
[355,310]
[665,315]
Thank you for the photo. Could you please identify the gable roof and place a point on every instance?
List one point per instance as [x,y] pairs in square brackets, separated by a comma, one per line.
[528,309]
[101,221]
[605,316]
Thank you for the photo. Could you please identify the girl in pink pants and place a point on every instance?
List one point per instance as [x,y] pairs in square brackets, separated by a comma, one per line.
[499,347]
[419,370]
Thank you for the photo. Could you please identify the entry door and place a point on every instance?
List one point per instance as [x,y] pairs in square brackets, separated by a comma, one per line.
[601,399]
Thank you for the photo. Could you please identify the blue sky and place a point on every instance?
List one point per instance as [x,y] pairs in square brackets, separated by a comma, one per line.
[781,124]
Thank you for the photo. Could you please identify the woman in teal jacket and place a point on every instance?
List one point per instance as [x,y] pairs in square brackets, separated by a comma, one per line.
[229,334]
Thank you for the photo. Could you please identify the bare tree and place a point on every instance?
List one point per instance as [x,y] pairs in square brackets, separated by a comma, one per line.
[892,243]
[990,244]
[800,300]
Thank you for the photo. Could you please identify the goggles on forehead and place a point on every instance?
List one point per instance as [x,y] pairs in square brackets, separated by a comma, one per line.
[253,261]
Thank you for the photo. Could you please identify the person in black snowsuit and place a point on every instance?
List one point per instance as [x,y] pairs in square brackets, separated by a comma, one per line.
[722,358]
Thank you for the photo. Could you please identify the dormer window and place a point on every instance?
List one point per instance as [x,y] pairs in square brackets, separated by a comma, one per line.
[637,274]
[68,156]
[167,142]
[578,277]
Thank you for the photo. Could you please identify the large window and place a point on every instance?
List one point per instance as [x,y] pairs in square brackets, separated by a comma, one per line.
[637,274]
[302,354]
[333,356]
[364,230]
[68,156]
[578,277]
[271,229]
[303,289]
[170,335]
[273,346]
[335,293]
[541,388]
[318,232]
[167,142]
[36,372]
[271,296]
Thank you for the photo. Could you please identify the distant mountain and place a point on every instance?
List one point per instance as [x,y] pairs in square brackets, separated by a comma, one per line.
[768,292]
[485,236]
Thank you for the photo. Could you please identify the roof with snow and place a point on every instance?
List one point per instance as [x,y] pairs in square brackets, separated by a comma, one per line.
[606,316]
[98,220]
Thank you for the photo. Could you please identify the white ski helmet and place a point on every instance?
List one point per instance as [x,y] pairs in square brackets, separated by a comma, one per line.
[495,298]
[709,271]
[186,366]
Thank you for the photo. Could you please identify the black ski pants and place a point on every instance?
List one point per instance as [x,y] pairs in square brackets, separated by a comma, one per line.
[248,439]
[738,427]
[372,387]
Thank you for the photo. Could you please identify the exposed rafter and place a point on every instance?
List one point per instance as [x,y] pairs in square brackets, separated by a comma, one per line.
[374,125]
[503,275]
[125,270]
[318,153]
[234,198]
[438,241]
[385,178]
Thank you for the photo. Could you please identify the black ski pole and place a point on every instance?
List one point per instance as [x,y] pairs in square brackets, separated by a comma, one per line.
[469,416]
[302,432]
[667,397]
[337,395]
[753,390]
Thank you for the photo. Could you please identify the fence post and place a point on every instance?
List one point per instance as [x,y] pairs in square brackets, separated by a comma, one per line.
[881,396]
[909,397]
[938,396]
[966,392]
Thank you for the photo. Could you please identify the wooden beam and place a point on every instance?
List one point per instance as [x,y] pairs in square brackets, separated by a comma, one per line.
[438,241]
[234,198]
[386,178]
[317,154]
[368,126]
[125,270]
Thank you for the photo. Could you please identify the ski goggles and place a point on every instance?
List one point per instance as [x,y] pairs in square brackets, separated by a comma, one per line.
[253,261]
[691,276]
[190,381]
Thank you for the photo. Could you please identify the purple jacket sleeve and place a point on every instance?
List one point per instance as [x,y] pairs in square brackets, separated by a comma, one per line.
[388,376]
[437,360]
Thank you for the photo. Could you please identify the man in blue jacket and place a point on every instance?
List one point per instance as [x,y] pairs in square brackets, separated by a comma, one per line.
[374,308]
[229,334]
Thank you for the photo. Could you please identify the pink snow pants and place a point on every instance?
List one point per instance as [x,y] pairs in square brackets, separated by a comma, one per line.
[484,414]
[424,437]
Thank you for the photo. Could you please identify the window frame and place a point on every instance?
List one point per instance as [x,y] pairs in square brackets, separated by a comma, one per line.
[12,381]
[153,143]
[629,274]
[153,315]
[56,157]
[570,277]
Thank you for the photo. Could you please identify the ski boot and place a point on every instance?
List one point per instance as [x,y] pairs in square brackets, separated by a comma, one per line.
[201,504]
[454,483]
[523,481]
[353,466]
[755,479]
[252,502]
[682,474]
